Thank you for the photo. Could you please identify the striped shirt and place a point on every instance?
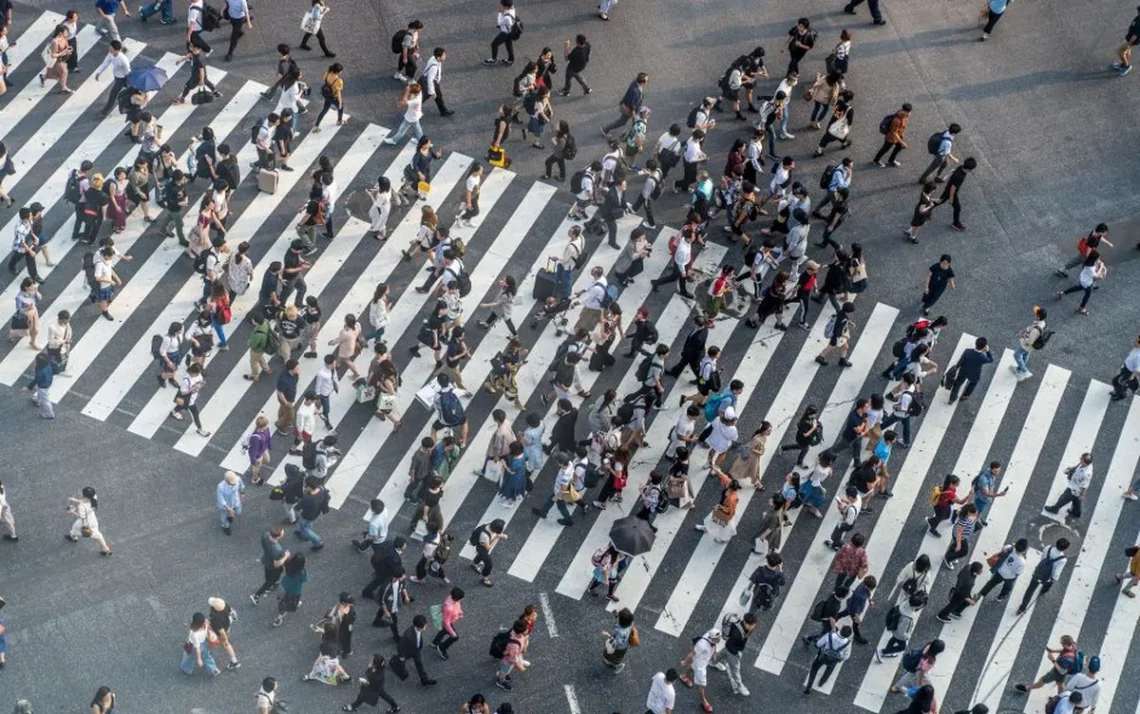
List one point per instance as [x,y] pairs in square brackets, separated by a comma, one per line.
[965,526]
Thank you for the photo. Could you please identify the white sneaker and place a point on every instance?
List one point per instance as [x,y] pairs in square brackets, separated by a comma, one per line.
[721,666]
[399,77]
[1130,496]
[743,691]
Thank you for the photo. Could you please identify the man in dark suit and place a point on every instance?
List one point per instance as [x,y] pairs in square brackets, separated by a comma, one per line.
[970,369]
[693,350]
[411,647]
[387,557]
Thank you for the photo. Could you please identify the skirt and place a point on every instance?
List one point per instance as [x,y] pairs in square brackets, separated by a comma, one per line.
[812,495]
[716,530]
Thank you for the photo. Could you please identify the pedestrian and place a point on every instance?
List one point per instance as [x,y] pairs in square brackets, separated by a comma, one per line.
[386,558]
[95,204]
[1064,661]
[619,639]
[512,658]
[513,485]
[832,648]
[876,13]
[812,494]
[86,523]
[630,103]
[229,497]
[314,503]
[412,104]
[850,563]
[332,94]
[292,587]
[809,433]
[484,538]
[662,696]
[607,562]
[838,334]
[1032,338]
[995,9]
[697,662]
[900,622]
[311,25]
[221,616]
[1086,243]
[1088,684]
[894,140]
[120,66]
[943,498]
[509,30]
[196,649]
[838,125]
[1123,64]
[6,518]
[938,276]
[187,397]
[968,370]
[1127,378]
[906,405]
[941,147]
[577,57]
[1005,566]
[450,612]
[916,666]
[1079,477]
[965,526]
[1094,270]
[848,507]
[1131,576]
[1046,572]
[801,39]
[953,190]
[922,212]
[106,10]
[961,594]
[199,80]
[44,368]
[857,604]
[372,687]
[273,559]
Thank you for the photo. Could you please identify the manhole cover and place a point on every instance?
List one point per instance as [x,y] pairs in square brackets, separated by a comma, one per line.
[1049,533]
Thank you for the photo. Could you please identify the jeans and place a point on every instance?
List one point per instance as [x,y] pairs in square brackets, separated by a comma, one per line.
[43,400]
[819,111]
[937,166]
[555,501]
[483,556]
[503,38]
[306,532]
[1073,262]
[888,146]
[1079,288]
[576,76]
[732,662]
[565,278]
[189,661]
[770,137]
[892,419]
[220,331]
[165,6]
[991,20]
[329,103]
[406,126]
[224,516]
[1021,357]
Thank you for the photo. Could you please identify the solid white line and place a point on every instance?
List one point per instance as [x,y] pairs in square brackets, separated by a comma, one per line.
[52,130]
[908,481]
[548,615]
[1097,540]
[542,538]
[157,409]
[145,278]
[72,297]
[1022,463]
[580,572]
[797,602]
[236,459]
[1006,643]
[572,699]
[1017,472]
[21,106]
[223,400]
[1122,626]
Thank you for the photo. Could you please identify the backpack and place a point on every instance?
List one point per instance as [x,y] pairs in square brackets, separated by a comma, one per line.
[825,178]
[576,181]
[254,131]
[1042,339]
[818,613]
[123,100]
[642,373]
[463,280]
[727,622]
[309,455]
[443,550]
[517,89]
[398,42]
[1051,703]
[916,406]
[71,189]
[156,346]
[691,121]
[516,29]
[934,142]
[624,413]
[911,659]
[476,535]
[450,408]
[571,149]
[651,335]
[657,186]
[200,261]
[272,342]
[935,496]
[598,556]
[885,124]
[211,18]
[499,644]
[897,348]
[609,297]
[712,405]
[1044,571]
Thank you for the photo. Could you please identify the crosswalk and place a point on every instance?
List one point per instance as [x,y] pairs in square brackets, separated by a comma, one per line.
[687,582]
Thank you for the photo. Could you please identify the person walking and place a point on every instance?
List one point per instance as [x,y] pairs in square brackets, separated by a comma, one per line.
[273,559]
[995,10]
[1032,338]
[372,687]
[662,696]
[6,518]
[1086,243]
[922,212]
[449,613]
[832,648]
[1079,476]
[953,190]
[314,503]
[630,104]
[619,638]
[943,498]
[941,146]
[229,499]
[410,646]
[105,11]
[697,662]
[1046,572]
[484,538]
[968,370]
[1005,566]
[900,623]
[873,5]
[311,25]
[1127,378]
[965,526]
[221,617]
[577,57]
[509,30]
[292,587]
[1131,576]
[196,649]
[240,20]
[332,94]
[512,658]
[850,563]
[961,594]
[1123,63]
[86,523]
[1063,662]
[120,66]
[938,277]
[895,139]
[1094,270]
[801,39]
[735,640]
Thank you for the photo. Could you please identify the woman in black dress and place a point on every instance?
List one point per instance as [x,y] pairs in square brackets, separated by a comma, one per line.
[372,687]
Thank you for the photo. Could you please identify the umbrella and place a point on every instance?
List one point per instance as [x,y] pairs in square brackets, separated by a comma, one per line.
[147,79]
[632,536]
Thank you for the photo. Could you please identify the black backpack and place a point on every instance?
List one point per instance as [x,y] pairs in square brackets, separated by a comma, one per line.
[642,373]
[211,18]
[885,124]
[476,535]
[576,181]
[911,659]
[398,42]
[825,179]
[253,132]
[1042,339]
[516,29]
[1044,569]
[691,121]
[156,346]
[651,335]
[463,281]
[571,149]
[624,413]
[933,143]
[499,644]
[123,100]
[917,405]
[309,455]
[71,189]
[200,261]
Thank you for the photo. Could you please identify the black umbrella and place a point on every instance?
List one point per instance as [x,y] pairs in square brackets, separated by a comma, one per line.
[632,536]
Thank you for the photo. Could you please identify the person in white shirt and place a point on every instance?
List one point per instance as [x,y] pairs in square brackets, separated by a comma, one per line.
[1087,684]
[187,398]
[680,265]
[324,386]
[1011,562]
[691,159]
[240,21]
[831,649]
[722,434]
[409,53]
[195,14]
[697,664]
[432,78]
[662,696]
[120,66]
[6,517]
[1079,477]
[585,197]
[1128,377]
[562,480]
[377,531]
[1046,572]
[592,298]
[413,105]
[470,206]
[267,696]
[507,24]
[382,199]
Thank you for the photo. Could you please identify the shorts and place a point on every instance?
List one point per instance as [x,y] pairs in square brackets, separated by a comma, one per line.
[438,425]
[731,95]
[704,388]
[919,219]
[105,294]
[1053,677]
[561,393]
[173,357]
[700,674]
[288,603]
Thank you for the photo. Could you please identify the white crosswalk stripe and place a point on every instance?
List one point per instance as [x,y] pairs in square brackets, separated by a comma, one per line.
[694,581]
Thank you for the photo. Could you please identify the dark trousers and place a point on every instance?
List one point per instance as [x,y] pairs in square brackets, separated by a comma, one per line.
[794,61]
[272,577]
[853,445]
[483,557]
[960,380]
[577,77]
[636,267]
[1122,382]
[941,513]
[1033,585]
[192,84]
[381,692]
[198,41]
[894,645]
[843,580]
[1067,498]
[29,262]
[298,284]
[443,640]
[956,605]
[888,146]
[238,29]
[437,94]
[820,662]
[551,162]
[953,552]
[1078,288]
[693,362]
[837,535]
[647,203]
[827,240]
[418,660]
[689,177]
[77,229]
[876,15]
[991,20]
[393,622]
[955,204]
[674,274]
[993,582]
[892,419]
[378,581]
[73,58]
[801,448]
[91,226]
[117,86]
[503,39]
[555,501]
[320,41]
[329,103]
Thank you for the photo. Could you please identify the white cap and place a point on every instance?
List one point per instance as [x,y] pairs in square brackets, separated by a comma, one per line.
[729,413]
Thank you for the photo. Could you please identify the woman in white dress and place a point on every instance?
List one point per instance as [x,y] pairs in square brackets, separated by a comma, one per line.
[291,90]
[383,197]
[86,523]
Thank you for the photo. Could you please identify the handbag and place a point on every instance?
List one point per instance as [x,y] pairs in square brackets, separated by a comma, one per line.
[634,638]
[719,517]
[85,531]
[309,23]
[436,616]
[839,128]
[202,96]
[19,321]
[746,595]
[423,187]
[493,471]
[365,393]
[386,402]
[570,494]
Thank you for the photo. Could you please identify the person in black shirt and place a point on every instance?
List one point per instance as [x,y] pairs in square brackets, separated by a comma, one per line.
[1124,54]
[285,67]
[198,77]
[801,39]
[283,140]
[94,210]
[314,503]
[268,296]
[174,200]
[291,273]
[735,640]
[961,595]
[693,350]
[576,61]
[838,337]
[938,276]
[205,154]
[954,187]
[226,168]
[839,211]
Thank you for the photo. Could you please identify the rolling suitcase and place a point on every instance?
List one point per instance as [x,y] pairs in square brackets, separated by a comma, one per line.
[267,180]
[546,283]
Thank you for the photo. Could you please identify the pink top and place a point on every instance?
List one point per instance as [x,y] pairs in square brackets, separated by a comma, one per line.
[452,611]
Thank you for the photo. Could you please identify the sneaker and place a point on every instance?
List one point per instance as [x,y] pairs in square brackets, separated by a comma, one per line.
[233,665]
[878,655]
[502,684]
[440,652]
[1124,71]
[880,164]
[1021,688]
[253,599]
[955,616]
[506,62]
[944,620]
[896,163]
[1000,598]
[743,691]
[958,226]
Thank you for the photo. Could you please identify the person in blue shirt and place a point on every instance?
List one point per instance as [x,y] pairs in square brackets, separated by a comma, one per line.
[994,10]
[840,178]
[969,369]
[46,367]
[106,10]
[984,488]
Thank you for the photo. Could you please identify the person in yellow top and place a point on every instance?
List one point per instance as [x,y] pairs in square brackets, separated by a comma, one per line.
[1132,575]
[332,89]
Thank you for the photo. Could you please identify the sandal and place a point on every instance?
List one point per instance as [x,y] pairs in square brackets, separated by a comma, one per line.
[687,681]
[706,706]
[176,415]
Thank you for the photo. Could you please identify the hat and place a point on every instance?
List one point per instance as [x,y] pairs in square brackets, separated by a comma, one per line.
[1094,664]
[346,598]
[216,603]
[36,207]
[729,414]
